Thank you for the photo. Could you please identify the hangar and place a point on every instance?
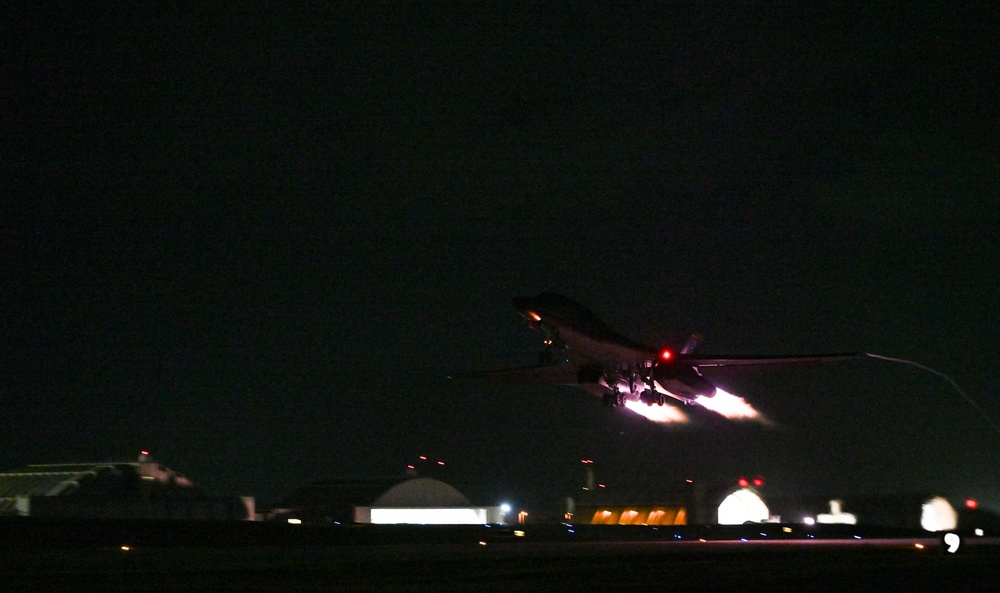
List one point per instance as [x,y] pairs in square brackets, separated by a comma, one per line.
[742,505]
[142,489]
[733,506]
[640,504]
[619,514]
[419,501]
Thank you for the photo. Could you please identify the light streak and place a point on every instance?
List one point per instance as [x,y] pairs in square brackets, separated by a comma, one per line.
[660,414]
[729,405]
[965,396]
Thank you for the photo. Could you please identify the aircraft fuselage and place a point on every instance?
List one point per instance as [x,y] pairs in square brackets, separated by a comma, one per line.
[610,363]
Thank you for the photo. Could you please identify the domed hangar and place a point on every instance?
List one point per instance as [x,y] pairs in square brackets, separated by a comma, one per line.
[418,501]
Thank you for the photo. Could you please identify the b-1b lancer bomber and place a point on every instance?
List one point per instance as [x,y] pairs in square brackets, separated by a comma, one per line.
[582,350]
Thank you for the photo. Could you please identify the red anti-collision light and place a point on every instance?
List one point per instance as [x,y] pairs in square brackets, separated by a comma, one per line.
[666,355]
[972,503]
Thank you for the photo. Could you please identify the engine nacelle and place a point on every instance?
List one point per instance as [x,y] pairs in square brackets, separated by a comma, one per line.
[682,381]
[702,386]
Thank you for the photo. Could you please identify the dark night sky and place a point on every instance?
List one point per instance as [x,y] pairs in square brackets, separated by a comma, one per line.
[256,241]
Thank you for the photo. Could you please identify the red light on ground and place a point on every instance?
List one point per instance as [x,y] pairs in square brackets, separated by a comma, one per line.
[423,458]
[758,482]
[440,463]
[666,355]
[743,482]
[972,503]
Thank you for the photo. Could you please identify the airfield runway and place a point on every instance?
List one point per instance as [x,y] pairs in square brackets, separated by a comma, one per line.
[499,560]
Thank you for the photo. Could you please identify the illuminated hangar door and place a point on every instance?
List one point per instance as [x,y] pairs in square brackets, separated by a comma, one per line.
[463,516]
[741,506]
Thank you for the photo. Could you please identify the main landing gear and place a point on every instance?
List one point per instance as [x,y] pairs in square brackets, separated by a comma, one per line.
[649,397]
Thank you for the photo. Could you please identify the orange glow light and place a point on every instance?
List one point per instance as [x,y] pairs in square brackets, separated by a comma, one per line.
[603,517]
[534,316]
[628,517]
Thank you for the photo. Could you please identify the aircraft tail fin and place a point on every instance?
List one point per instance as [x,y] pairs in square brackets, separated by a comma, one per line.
[691,344]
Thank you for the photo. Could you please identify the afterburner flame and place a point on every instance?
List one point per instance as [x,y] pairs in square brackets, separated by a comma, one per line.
[729,405]
[724,403]
[662,414]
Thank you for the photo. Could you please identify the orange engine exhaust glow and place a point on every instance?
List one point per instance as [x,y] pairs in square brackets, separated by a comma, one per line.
[661,414]
[724,403]
[729,405]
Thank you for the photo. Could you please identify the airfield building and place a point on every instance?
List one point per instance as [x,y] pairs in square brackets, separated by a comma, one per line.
[143,489]
[406,500]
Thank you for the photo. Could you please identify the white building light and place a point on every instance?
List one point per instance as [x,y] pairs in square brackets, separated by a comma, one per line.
[742,506]
[836,515]
[937,514]
[430,516]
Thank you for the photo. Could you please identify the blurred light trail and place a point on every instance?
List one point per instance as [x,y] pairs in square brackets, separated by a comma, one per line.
[968,400]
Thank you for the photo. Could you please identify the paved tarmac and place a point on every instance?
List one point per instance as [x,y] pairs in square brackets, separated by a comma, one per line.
[490,559]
